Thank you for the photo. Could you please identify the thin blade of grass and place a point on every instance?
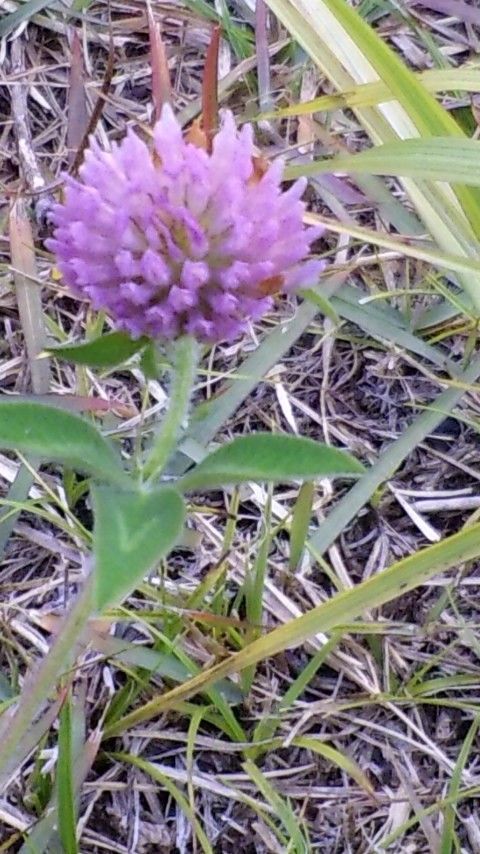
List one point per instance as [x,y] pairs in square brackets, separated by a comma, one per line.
[65,781]
[463,794]
[439,159]
[419,249]
[193,728]
[254,585]
[28,295]
[282,809]
[448,836]
[173,790]
[336,757]
[302,513]
[268,725]
[372,94]
[387,325]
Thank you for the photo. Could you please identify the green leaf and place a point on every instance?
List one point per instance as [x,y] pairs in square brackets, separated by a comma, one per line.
[439,159]
[160,663]
[268,457]
[132,531]
[335,757]
[107,351]
[53,434]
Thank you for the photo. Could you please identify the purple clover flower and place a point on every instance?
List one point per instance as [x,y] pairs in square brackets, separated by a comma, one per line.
[179,241]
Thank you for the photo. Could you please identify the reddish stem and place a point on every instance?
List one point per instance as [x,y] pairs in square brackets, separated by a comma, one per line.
[210,88]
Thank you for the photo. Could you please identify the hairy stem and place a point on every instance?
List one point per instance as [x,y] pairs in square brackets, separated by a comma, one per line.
[185,360]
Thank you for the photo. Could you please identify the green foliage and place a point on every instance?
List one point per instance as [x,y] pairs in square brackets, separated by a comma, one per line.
[133,531]
[270,458]
[107,351]
[56,435]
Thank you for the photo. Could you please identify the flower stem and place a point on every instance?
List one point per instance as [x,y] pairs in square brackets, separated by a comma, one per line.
[185,360]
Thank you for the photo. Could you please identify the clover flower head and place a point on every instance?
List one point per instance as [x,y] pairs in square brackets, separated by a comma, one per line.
[176,240]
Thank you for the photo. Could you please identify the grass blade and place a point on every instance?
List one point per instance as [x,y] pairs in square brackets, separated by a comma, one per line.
[282,809]
[302,513]
[448,836]
[336,757]
[65,782]
[24,12]
[440,159]
[173,790]
[420,249]
[28,295]
[371,94]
